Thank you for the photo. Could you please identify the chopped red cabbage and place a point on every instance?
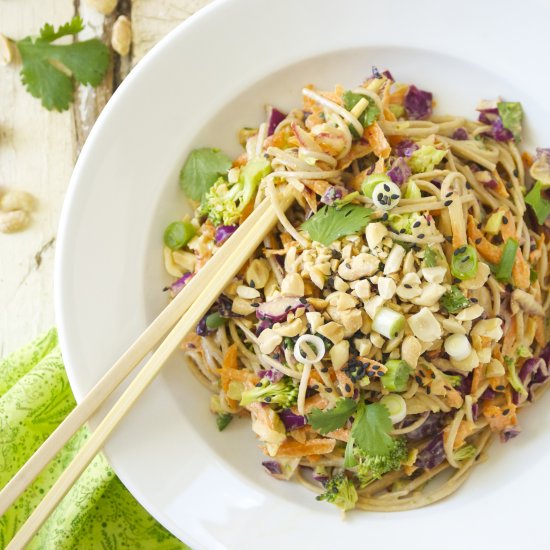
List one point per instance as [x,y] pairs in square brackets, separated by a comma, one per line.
[431,426]
[332,194]
[460,134]
[224,306]
[388,75]
[432,455]
[271,374]
[400,171]
[509,433]
[417,103]
[223,232]
[176,286]
[275,117]
[292,421]
[405,148]
[277,310]
[272,467]
[491,117]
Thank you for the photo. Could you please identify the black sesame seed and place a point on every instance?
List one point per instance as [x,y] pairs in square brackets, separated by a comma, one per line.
[468,185]
[303,301]
[448,238]
[255,304]
[386,187]
[421,235]
[347,387]
[516,173]
[395,196]
[402,230]
[252,284]
[380,197]
[384,216]
[460,250]
[407,285]
[416,224]
[418,379]
[315,387]
[447,203]
[324,369]
[428,390]
[474,300]
[348,265]
[456,280]
[478,240]
[505,412]
[504,220]
[448,194]
[421,372]
[259,385]
[328,390]
[268,399]
[500,387]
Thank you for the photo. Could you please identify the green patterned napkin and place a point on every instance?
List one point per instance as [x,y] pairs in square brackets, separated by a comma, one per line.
[98,512]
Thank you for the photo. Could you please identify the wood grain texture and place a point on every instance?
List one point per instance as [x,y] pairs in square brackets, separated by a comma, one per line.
[38,148]
[36,154]
[154,19]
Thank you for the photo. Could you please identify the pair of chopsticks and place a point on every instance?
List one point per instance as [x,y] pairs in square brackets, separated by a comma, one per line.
[181,316]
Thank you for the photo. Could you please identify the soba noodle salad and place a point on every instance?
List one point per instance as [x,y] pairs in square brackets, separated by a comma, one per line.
[393,322]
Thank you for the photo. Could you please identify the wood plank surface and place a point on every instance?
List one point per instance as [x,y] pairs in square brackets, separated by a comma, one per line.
[38,148]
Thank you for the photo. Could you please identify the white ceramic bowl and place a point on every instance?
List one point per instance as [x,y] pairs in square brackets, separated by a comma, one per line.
[211,76]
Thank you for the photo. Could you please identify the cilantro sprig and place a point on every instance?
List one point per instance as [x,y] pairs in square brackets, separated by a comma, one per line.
[370,429]
[49,69]
[332,222]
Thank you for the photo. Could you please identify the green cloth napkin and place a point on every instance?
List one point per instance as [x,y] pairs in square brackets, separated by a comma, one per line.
[98,512]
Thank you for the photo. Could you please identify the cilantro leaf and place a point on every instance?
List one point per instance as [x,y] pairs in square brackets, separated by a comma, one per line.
[48,69]
[371,429]
[331,223]
[332,419]
[201,170]
[367,117]
[49,34]
[453,300]
[511,115]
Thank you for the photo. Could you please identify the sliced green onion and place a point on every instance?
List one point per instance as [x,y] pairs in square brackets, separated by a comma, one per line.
[178,234]
[215,320]
[458,346]
[533,275]
[397,375]
[513,377]
[388,322]
[464,262]
[504,269]
[370,182]
[431,257]
[453,300]
[223,420]
[396,407]
[540,206]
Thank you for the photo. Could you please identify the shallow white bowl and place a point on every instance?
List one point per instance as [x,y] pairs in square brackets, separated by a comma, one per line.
[211,76]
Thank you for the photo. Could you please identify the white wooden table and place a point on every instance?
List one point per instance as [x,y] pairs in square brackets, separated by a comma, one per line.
[38,148]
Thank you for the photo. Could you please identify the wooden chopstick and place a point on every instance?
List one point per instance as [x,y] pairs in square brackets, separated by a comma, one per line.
[122,368]
[213,278]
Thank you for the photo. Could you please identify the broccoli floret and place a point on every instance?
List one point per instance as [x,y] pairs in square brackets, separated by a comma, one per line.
[372,467]
[465,452]
[225,202]
[283,393]
[340,491]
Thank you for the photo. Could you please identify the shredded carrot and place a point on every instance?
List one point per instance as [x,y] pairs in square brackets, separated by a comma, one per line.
[344,383]
[500,418]
[501,188]
[488,250]
[497,383]
[314,378]
[465,428]
[539,333]
[535,255]
[241,160]
[509,342]
[292,448]
[527,159]
[398,95]
[388,115]
[377,140]
[247,210]
[477,376]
